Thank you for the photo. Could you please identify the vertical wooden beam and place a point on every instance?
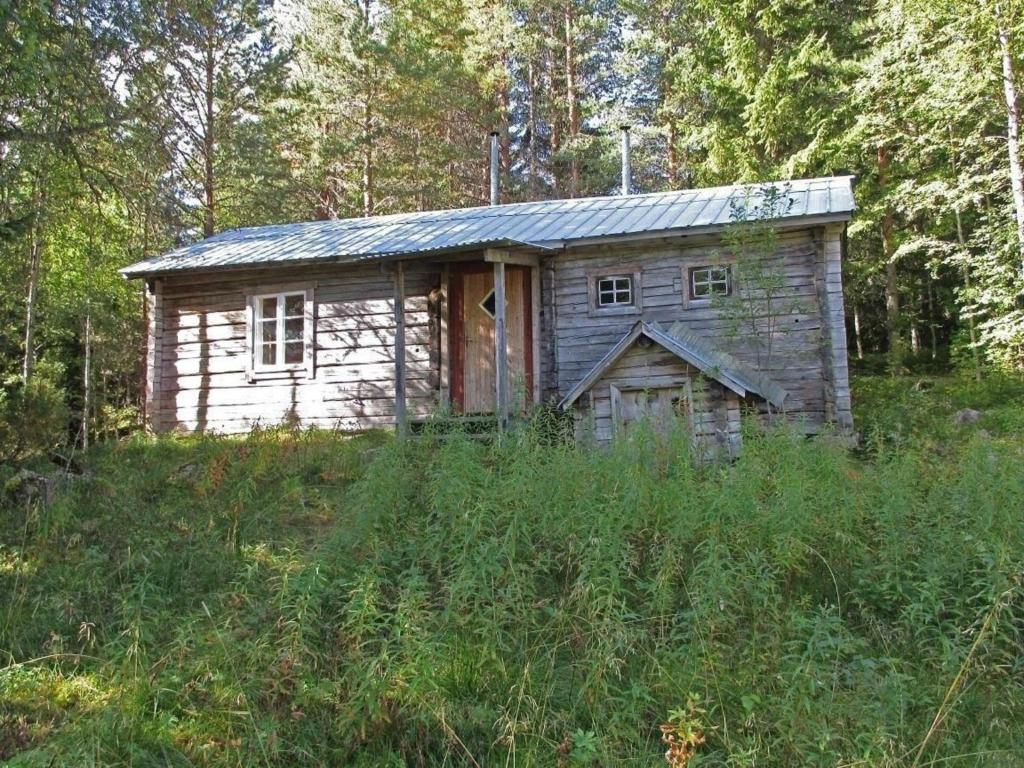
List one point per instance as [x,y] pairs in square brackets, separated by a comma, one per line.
[400,412]
[500,346]
[535,327]
[445,357]
[154,351]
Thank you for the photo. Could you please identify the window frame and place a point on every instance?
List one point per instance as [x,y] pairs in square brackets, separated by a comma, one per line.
[594,278]
[692,265]
[304,368]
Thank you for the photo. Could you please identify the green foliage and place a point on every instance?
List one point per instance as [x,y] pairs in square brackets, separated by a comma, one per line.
[33,418]
[310,598]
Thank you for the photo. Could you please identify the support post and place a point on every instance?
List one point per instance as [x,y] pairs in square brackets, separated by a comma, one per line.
[400,415]
[535,330]
[154,351]
[445,356]
[500,346]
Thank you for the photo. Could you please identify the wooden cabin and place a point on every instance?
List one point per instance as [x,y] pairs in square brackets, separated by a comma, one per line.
[614,308]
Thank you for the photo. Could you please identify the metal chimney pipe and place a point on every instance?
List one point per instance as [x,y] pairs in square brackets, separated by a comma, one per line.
[494,168]
[626,181]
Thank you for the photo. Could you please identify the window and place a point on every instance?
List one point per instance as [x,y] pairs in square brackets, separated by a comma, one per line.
[489,305]
[615,291]
[707,282]
[281,331]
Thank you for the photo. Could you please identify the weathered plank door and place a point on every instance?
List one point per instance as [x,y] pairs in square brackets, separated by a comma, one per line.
[661,406]
[471,314]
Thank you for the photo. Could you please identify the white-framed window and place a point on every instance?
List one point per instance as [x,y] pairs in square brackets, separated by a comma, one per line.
[614,291]
[709,281]
[280,338]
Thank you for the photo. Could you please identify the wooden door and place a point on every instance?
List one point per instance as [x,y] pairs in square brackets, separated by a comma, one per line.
[660,406]
[471,314]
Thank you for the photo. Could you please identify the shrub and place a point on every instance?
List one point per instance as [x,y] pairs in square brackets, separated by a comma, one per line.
[33,418]
[307,598]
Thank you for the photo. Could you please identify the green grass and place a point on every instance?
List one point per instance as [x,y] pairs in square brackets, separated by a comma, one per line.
[312,599]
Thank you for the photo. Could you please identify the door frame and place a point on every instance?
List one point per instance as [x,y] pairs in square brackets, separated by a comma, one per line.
[457,326]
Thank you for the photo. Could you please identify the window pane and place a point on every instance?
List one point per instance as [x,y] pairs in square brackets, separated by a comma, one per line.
[269,328]
[293,329]
[268,354]
[700,289]
[614,291]
[294,305]
[268,306]
[293,352]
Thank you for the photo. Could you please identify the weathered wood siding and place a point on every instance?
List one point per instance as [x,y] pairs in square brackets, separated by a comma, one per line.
[808,356]
[201,382]
[715,410]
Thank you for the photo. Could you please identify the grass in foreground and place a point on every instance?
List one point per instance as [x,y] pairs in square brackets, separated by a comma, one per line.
[314,599]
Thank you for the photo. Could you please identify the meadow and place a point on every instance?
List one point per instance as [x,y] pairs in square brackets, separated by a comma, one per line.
[311,598]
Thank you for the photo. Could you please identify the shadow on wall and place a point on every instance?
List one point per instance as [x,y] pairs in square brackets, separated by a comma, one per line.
[354,364]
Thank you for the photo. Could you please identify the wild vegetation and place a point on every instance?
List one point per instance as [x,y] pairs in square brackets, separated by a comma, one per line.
[308,598]
[127,128]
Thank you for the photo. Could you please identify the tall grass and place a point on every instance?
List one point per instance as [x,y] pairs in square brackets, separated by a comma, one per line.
[318,600]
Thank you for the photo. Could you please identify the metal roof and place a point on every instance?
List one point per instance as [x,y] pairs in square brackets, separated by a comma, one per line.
[547,224]
[692,348]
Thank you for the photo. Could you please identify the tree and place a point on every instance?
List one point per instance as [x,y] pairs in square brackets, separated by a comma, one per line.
[216,69]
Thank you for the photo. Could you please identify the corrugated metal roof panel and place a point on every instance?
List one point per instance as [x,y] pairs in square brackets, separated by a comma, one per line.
[550,224]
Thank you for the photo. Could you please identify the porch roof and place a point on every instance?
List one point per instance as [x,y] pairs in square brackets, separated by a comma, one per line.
[691,348]
[545,225]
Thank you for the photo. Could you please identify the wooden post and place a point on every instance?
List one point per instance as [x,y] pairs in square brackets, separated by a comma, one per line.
[400,415]
[154,352]
[445,359]
[500,345]
[535,326]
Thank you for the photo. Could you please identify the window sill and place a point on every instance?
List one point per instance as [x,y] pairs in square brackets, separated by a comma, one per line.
[615,311]
[291,372]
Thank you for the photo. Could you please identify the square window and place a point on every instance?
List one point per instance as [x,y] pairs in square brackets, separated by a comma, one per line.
[615,291]
[707,282]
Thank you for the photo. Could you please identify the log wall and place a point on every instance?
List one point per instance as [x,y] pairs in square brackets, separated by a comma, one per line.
[807,349]
[201,383]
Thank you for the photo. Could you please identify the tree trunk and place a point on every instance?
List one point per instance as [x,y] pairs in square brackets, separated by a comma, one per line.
[87,382]
[1012,127]
[209,141]
[673,158]
[367,126]
[572,100]
[892,296]
[532,149]
[367,159]
[856,332]
[975,354]
[35,260]
[932,330]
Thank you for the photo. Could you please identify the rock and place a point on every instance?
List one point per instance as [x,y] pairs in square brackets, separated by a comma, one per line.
[28,485]
[966,416]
